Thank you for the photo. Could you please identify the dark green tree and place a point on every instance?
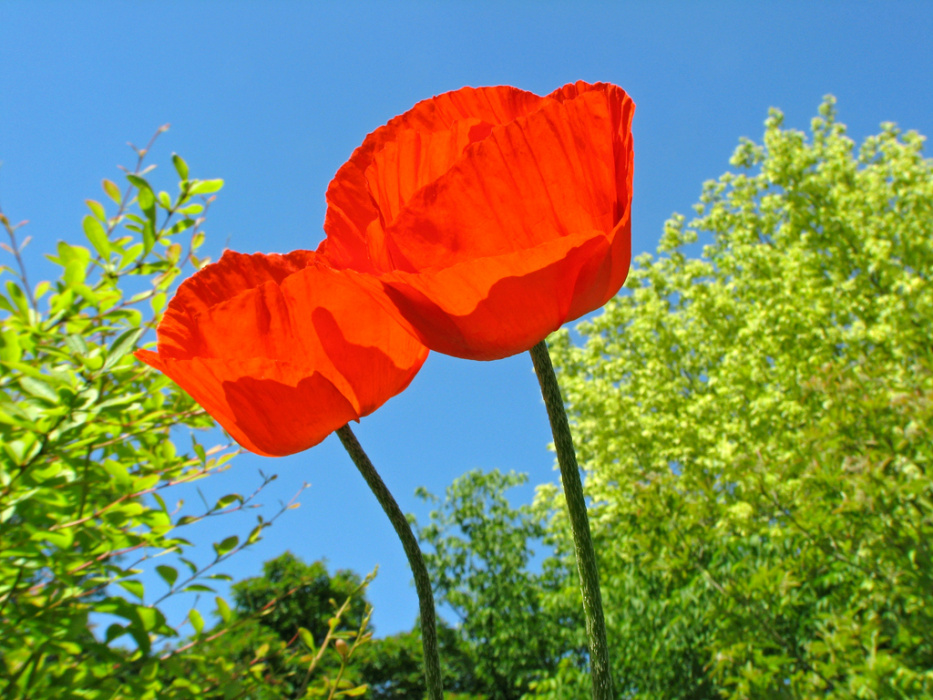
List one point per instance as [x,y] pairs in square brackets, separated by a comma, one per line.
[513,628]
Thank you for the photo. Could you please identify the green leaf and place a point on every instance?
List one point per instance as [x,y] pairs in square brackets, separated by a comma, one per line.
[146,199]
[150,617]
[114,631]
[157,303]
[307,638]
[205,186]
[10,348]
[181,167]
[223,609]
[122,346]
[63,539]
[112,191]
[228,499]
[96,208]
[139,182]
[97,236]
[196,620]
[226,545]
[169,574]
[18,298]
[76,344]
[133,587]
[39,388]
[182,225]
[149,237]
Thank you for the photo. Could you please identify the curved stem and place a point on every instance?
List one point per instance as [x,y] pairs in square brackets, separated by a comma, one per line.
[432,664]
[579,523]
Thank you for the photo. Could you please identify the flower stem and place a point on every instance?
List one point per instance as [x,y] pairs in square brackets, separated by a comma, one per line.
[579,523]
[432,664]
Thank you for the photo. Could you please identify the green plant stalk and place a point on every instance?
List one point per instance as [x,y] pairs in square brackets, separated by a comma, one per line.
[432,663]
[579,523]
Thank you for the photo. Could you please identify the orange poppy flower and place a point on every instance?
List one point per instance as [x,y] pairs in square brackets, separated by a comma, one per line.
[282,350]
[491,216]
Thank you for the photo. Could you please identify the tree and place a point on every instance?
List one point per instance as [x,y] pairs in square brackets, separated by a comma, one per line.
[86,456]
[513,632]
[755,426]
[294,624]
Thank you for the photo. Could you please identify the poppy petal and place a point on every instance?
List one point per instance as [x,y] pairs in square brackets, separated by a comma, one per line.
[270,408]
[490,308]
[282,350]
[540,177]
[400,158]
[491,222]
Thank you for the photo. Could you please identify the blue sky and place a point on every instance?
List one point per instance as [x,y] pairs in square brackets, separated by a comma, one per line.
[274,96]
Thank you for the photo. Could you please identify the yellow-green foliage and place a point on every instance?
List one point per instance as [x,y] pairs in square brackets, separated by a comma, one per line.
[755,425]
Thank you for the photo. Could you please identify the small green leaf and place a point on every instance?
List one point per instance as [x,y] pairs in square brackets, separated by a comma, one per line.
[307,638]
[11,350]
[227,500]
[226,545]
[17,297]
[158,302]
[181,167]
[97,236]
[112,191]
[150,617]
[122,346]
[97,209]
[196,620]
[205,186]
[146,198]
[223,609]
[38,388]
[149,238]
[191,209]
[139,182]
[115,630]
[165,200]
[134,587]
[169,574]
[76,344]
[181,226]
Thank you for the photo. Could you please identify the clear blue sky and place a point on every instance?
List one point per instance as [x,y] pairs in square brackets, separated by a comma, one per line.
[274,96]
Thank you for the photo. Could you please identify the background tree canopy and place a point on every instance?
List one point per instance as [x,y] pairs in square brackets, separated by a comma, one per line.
[755,426]
[753,415]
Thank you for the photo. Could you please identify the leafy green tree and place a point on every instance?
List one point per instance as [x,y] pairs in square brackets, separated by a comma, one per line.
[86,456]
[513,630]
[294,624]
[755,425]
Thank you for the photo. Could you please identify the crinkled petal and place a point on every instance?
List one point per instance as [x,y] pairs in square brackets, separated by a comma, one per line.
[270,408]
[398,159]
[490,308]
[490,228]
[282,350]
[548,175]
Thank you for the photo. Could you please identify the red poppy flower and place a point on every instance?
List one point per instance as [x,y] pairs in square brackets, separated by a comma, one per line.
[282,350]
[492,216]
